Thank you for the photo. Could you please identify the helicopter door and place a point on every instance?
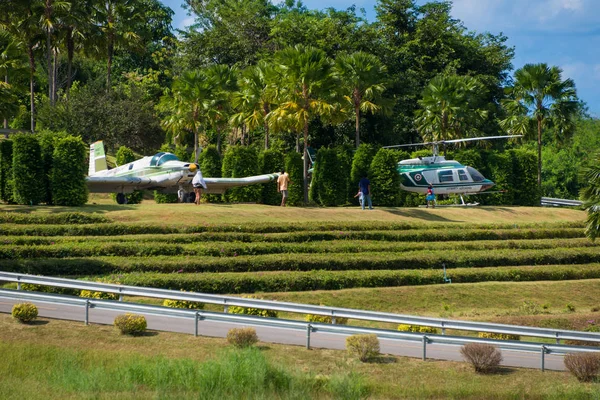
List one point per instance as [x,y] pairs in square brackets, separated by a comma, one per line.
[446,176]
[462,176]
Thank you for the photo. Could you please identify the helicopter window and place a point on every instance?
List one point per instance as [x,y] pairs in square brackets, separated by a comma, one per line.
[462,175]
[476,175]
[446,176]
[166,157]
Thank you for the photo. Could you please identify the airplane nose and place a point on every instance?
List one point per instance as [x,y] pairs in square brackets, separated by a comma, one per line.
[193,167]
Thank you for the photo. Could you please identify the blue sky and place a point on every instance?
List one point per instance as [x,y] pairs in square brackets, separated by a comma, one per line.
[558,32]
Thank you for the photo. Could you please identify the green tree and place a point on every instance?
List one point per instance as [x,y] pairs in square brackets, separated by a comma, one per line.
[11,63]
[306,90]
[27,169]
[270,161]
[361,75]
[124,156]
[591,197]
[294,167]
[222,82]
[238,162]
[328,188]
[211,166]
[539,97]
[361,163]
[69,186]
[384,177]
[6,175]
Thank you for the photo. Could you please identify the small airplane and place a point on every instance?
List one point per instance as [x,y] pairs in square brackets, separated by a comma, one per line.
[163,172]
[445,176]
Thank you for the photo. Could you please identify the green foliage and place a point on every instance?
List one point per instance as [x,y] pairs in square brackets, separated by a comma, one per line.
[328,187]
[68,175]
[24,312]
[325,319]
[47,140]
[211,164]
[365,347]
[384,177]
[131,324]
[591,197]
[361,163]
[6,175]
[294,167]
[124,156]
[239,162]
[417,328]
[27,170]
[88,294]
[242,337]
[190,305]
[55,218]
[253,311]
[498,336]
[271,161]
[165,198]
[345,154]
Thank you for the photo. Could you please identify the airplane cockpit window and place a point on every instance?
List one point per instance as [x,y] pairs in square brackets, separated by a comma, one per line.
[155,159]
[167,157]
[445,176]
[476,175]
[462,175]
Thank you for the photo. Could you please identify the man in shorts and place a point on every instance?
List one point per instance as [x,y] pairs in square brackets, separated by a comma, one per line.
[282,186]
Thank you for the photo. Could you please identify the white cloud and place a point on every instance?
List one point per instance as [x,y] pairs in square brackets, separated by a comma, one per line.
[185,23]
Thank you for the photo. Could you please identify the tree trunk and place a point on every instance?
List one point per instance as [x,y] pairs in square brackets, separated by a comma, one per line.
[305,174]
[5,120]
[357,113]
[31,85]
[539,140]
[297,142]
[266,124]
[54,75]
[48,15]
[70,51]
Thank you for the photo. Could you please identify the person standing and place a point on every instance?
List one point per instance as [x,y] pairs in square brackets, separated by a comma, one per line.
[430,197]
[198,183]
[364,186]
[282,186]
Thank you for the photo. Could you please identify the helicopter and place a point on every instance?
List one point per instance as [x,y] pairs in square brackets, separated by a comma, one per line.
[445,176]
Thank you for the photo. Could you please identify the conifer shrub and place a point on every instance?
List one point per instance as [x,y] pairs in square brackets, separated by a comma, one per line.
[242,337]
[524,178]
[361,163]
[211,165]
[47,140]
[584,366]
[252,311]
[24,312]
[69,171]
[365,347]
[6,174]
[484,358]
[384,177]
[328,188]
[295,169]
[345,154]
[124,156]
[417,328]
[498,336]
[240,162]
[27,169]
[271,161]
[131,324]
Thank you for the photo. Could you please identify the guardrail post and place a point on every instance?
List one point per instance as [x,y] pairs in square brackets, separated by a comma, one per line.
[87,312]
[18,283]
[332,319]
[543,357]
[120,295]
[225,307]
[557,338]
[308,329]
[425,347]
[196,326]
[443,329]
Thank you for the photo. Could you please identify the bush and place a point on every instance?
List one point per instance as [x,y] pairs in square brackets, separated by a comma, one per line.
[417,328]
[47,140]
[69,186]
[124,156]
[6,175]
[361,163]
[27,169]
[524,178]
[585,366]
[88,294]
[211,164]
[498,336]
[239,162]
[327,187]
[270,161]
[253,311]
[24,312]
[365,347]
[131,324]
[190,305]
[384,177]
[295,168]
[483,357]
[325,319]
[242,337]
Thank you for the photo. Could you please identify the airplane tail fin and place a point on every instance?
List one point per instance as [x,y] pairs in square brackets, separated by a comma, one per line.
[97,158]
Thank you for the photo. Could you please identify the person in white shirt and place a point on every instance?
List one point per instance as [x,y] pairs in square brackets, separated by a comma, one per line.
[198,183]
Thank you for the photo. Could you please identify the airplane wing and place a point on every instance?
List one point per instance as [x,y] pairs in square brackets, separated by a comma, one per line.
[219,185]
[117,184]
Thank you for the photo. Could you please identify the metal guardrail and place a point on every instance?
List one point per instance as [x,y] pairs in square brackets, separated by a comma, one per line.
[308,327]
[334,312]
[551,201]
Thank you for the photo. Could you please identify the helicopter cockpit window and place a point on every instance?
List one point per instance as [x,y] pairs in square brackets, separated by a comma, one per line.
[476,175]
[462,175]
[445,176]
[167,157]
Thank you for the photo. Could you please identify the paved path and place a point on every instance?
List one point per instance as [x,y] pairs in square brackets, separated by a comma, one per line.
[281,335]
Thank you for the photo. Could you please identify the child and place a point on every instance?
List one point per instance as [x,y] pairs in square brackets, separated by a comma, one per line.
[360,197]
[430,197]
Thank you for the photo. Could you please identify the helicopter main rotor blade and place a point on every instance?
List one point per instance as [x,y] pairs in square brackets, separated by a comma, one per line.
[410,144]
[454,141]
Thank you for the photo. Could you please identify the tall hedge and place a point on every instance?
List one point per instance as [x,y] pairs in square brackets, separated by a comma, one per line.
[239,162]
[295,168]
[46,140]
[524,178]
[6,176]
[69,186]
[361,163]
[211,165]
[124,156]
[345,154]
[28,170]
[270,161]
[384,177]
[327,187]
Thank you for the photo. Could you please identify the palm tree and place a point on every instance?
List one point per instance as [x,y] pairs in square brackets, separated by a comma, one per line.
[450,107]
[539,96]
[222,82]
[591,197]
[254,98]
[361,76]
[11,60]
[306,90]
[49,22]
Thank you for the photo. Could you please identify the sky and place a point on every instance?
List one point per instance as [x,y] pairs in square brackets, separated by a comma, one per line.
[565,33]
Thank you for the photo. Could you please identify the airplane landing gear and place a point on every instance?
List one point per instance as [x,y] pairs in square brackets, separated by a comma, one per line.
[121,198]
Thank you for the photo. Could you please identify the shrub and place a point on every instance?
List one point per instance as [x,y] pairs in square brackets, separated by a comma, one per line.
[6,175]
[88,294]
[239,162]
[483,357]
[242,337]
[270,161]
[131,324]
[327,187]
[295,168]
[69,187]
[27,169]
[24,312]
[361,162]
[325,319]
[524,178]
[417,328]
[253,311]
[384,177]
[365,347]
[190,305]
[585,366]
[498,336]
[211,164]
[47,140]
[124,156]
[530,308]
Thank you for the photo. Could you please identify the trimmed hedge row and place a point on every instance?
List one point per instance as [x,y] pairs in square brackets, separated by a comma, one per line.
[65,218]
[336,280]
[91,248]
[291,262]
